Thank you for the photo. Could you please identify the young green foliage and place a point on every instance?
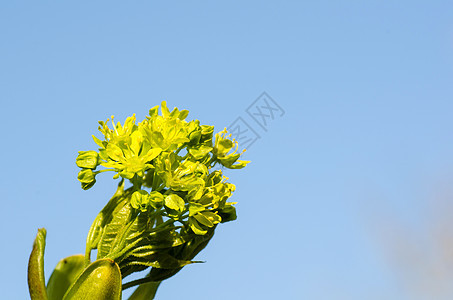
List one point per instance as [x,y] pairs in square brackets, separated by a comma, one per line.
[64,275]
[36,281]
[101,280]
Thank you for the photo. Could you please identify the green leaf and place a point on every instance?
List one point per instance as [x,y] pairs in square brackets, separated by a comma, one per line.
[94,234]
[150,249]
[162,260]
[174,202]
[108,223]
[188,251]
[145,291]
[120,217]
[101,280]
[36,281]
[64,275]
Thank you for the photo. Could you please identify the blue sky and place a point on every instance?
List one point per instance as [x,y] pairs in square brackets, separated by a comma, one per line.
[358,161]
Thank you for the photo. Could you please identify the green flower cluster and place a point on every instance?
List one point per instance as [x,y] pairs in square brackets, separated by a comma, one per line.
[149,155]
[177,195]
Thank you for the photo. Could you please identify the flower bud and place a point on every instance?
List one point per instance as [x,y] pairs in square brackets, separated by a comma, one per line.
[156,199]
[87,178]
[87,159]
[140,200]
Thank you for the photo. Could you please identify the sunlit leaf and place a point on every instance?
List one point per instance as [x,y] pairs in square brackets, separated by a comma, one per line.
[64,275]
[36,281]
[101,280]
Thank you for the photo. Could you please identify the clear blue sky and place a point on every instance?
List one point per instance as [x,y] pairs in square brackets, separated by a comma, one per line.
[367,91]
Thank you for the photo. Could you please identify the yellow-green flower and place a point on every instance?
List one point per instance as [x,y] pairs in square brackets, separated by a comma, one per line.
[167,132]
[131,157]
[222,148]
